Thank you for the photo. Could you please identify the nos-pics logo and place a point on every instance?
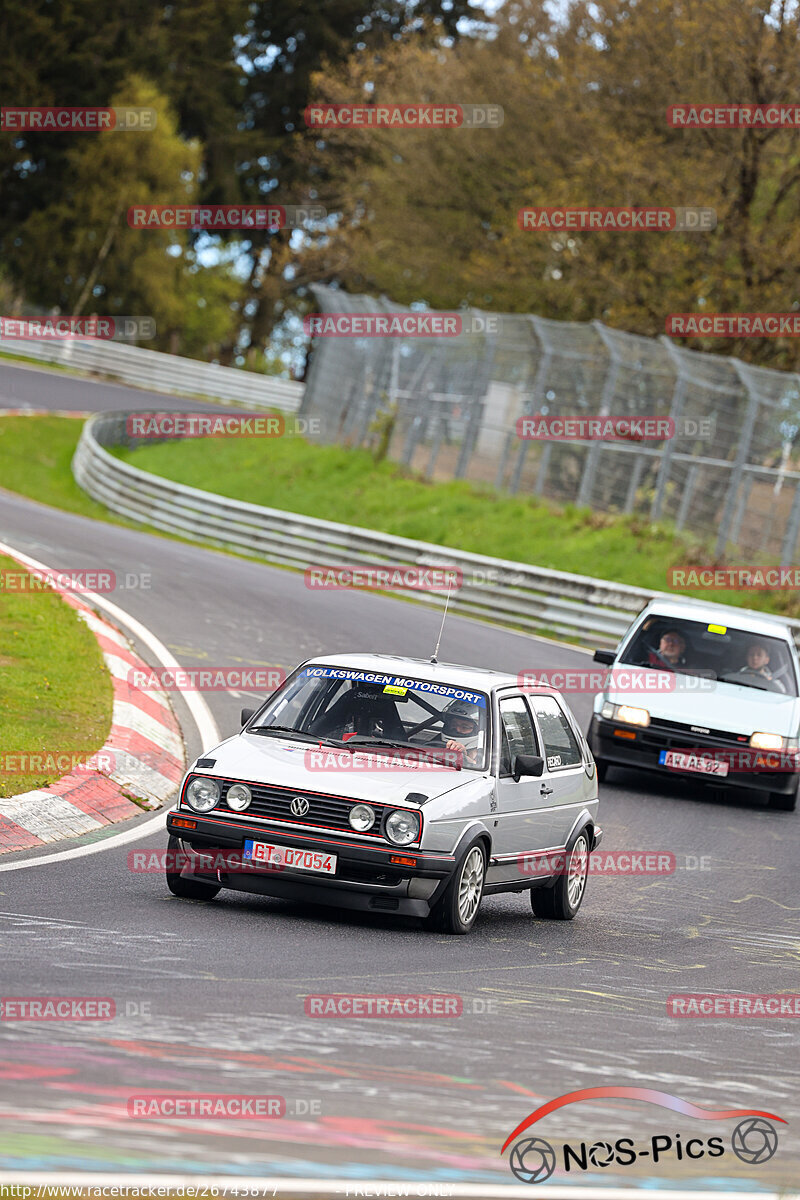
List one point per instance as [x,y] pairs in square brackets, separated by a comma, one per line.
[533,1160]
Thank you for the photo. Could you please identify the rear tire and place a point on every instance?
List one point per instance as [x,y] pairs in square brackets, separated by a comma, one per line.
[561,902]
[187,889]
[458,907]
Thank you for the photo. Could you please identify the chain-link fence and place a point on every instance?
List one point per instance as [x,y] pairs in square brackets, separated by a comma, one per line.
[448,408]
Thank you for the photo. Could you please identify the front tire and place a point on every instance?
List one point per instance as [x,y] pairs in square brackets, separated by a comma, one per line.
[602,769]
[187,889]
[458,907]
[561,902]
[780,802]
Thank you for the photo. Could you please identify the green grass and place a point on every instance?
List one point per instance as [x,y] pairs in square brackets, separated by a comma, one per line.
[35,457]
[338,484]
[56,695]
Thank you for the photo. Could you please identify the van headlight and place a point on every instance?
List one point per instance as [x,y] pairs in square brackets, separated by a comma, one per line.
[402,827]
[202,794]
[767,741]
[626,713]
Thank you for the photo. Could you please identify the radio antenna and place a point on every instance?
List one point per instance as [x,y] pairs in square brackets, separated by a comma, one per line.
[435,655]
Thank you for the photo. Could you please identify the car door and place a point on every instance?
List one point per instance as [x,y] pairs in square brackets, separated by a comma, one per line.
[564,758]
[522,820]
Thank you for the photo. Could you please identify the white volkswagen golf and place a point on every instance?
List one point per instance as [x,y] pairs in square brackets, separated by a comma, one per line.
[705,691]
[394,785]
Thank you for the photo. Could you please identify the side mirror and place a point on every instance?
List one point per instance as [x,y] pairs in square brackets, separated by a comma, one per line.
[527,764]
[245,715]
[605,656]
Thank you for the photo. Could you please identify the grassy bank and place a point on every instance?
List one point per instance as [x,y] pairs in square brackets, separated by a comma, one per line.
[55,692]
[337,484]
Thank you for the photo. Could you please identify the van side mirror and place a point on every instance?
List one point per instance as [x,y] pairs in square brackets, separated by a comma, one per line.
[527,764]
[245,715]
[605,656]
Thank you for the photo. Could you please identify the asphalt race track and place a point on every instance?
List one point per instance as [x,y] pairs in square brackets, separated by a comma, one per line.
[210,995]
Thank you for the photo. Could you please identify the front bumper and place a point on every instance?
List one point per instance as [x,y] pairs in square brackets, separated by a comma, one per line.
[643,749]
[365,879]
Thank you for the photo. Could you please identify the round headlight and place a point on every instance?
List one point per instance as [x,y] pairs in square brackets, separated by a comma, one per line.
[402,827]
[362,817]
[202,794]
[239,797]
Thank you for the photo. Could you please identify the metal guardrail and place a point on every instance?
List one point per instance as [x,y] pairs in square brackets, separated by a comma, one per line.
[163,372]
[583,609]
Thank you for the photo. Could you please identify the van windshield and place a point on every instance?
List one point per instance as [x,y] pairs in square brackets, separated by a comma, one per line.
[716,651]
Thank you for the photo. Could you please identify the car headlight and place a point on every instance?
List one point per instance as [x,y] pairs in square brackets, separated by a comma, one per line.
[633,716]
[402,826]
[767,741]
[202,794]
[362,817]
[239,797]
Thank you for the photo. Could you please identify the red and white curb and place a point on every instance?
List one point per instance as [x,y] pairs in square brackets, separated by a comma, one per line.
[143,756]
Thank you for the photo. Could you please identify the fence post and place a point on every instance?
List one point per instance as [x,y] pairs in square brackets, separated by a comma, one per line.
[737,470]
[792,529]
[609,387]
[676,411]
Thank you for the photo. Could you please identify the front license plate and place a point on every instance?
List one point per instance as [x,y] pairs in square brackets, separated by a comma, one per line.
[693,762]
[316,861]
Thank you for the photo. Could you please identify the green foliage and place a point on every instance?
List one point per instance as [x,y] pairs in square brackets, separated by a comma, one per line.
[61,707]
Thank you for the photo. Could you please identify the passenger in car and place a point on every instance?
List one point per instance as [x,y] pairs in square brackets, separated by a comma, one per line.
[758,660]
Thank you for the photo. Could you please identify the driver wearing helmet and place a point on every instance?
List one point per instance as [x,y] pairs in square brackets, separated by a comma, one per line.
[462,730]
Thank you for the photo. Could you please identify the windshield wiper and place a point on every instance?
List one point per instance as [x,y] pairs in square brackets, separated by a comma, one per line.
[298,734]
[741,683]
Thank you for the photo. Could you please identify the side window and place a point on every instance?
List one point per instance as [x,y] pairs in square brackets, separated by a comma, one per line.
[518,733]
[561,747]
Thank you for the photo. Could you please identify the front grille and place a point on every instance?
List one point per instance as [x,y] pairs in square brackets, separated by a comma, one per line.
[328,812]
[674,735]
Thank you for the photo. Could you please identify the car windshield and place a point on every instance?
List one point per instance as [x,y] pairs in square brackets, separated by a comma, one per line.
[714,650]
[355,707]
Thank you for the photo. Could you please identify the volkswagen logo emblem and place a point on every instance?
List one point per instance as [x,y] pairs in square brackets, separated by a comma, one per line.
[299,806]
[533,1160]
